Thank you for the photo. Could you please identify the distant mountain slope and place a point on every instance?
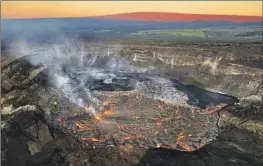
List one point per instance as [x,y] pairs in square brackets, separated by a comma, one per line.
[126,25]
[159,16]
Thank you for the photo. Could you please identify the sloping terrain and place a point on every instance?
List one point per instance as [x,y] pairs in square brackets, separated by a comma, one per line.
[162,16]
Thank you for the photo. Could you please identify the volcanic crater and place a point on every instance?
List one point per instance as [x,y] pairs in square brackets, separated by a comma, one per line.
[108,100]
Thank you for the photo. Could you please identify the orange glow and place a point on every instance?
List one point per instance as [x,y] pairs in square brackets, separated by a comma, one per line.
[92,139]
[98,117]
[129,137]
[180,136]
[80,125]
[185,146]
[86,108]
[107,110]
[51,9]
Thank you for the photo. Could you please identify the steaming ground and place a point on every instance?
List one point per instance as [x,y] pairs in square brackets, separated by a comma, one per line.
[111,99]
[86,82]
[66,63]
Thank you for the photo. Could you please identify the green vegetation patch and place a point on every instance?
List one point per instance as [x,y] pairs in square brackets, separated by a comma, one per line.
[174,32]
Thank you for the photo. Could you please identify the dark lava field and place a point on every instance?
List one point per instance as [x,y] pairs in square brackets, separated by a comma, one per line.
[132,105]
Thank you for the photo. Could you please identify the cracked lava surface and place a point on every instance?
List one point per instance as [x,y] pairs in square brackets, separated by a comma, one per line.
[138,117]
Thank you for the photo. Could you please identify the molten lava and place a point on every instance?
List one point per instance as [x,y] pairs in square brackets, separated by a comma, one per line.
[92,139]
[146,116]
[108,106]
[183,145]
[180,136]
[80,125]
[129,137]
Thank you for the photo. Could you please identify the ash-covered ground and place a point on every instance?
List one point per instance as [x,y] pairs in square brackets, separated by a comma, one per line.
[101,104]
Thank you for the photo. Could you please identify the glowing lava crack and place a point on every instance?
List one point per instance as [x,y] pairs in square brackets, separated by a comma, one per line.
[153,112]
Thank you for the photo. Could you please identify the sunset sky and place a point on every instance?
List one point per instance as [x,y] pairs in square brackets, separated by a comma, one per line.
[49,9]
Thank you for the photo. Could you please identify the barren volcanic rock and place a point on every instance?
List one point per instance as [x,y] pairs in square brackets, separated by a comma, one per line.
[144,110]
[103,110]
[117,106]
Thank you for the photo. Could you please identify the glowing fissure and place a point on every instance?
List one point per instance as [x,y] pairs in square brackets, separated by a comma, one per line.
[183,145]
[147,112]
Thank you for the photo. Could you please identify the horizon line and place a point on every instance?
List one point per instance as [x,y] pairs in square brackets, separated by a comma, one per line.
[24,18]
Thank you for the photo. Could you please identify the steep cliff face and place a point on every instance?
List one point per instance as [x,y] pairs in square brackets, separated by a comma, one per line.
[231,69]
